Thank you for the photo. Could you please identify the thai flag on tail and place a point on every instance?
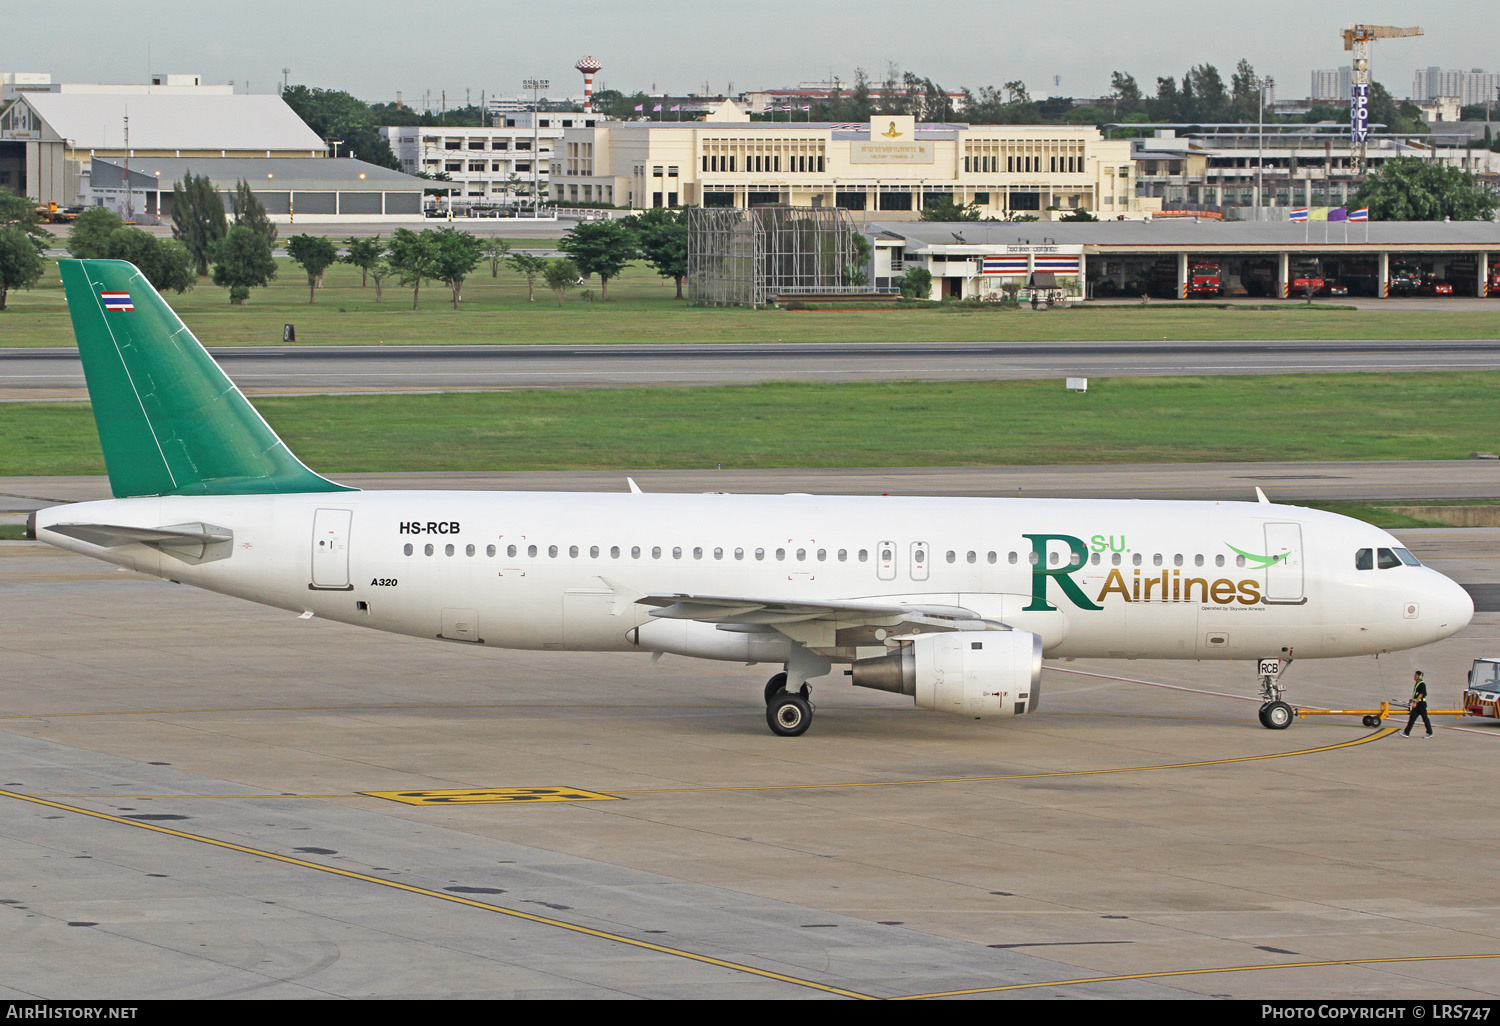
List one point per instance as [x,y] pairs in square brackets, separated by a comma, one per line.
[1299,214]
[1362,214]
[117,301]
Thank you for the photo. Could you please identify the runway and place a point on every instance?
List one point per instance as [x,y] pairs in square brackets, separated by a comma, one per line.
[56,373]
[205,798]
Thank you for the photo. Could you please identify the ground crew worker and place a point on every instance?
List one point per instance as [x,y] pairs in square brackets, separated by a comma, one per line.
[1418,705]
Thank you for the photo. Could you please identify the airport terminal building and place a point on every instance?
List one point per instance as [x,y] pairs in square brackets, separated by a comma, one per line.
[889,168]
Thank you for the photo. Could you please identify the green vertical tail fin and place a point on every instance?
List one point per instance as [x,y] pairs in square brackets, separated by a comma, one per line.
[170,421]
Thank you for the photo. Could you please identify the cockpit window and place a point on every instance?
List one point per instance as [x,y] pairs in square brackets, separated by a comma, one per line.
[1387,559]
[1406,557]
[1364,559]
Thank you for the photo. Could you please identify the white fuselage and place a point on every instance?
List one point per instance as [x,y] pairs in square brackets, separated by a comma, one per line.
[563,571]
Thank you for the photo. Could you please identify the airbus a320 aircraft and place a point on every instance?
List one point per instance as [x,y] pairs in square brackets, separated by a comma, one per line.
[954,602]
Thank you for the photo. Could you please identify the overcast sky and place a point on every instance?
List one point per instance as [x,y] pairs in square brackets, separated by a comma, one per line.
[376,47]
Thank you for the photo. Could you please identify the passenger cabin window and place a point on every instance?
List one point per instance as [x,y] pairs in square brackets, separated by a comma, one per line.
[489,550]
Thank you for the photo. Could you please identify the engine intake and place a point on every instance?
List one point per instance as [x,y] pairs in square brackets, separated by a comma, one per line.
[970,673]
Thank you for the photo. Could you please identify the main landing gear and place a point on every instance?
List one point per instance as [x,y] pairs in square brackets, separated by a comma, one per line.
[1275,714]
[788,713]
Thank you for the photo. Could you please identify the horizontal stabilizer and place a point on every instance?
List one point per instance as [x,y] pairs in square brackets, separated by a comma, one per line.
[192,543]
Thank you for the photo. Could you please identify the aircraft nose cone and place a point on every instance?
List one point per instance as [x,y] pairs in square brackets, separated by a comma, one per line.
[1450,608]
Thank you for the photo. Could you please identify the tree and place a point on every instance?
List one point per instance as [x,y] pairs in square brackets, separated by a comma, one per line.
[166,263]
[916,283]
[315,255]
[89,238]
[455,254]
[529,267]
[20,261]
[413,258]
[1081,214]
[251,213]
[1209,94]
[242,261]
[198,220]
[378,271]
[338,115]
[662,237]
[364,254]
[496,250]
[1413,189]
[1126,93]
[17,211]
[600,247]
[560,275]
[946,208]
[174,267]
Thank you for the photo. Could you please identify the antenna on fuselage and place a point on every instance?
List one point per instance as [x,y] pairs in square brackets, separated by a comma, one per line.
[1260,496]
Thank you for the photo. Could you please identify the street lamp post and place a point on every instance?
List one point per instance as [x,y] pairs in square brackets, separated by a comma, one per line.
[535,85]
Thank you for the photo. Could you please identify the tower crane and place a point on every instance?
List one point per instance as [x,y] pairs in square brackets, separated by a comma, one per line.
[1358,39]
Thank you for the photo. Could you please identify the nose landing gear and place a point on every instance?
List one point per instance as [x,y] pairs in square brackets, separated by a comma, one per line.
[1275,714]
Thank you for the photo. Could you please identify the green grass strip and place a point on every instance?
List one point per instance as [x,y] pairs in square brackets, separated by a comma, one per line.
[642,308]
[1123,420]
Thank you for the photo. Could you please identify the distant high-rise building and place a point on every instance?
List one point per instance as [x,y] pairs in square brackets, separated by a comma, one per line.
[1477,86]
[1331,84]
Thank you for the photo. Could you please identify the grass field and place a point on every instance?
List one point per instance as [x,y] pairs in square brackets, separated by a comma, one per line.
[1148,420]
[642,308]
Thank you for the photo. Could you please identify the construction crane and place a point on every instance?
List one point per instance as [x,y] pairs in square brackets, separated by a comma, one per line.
[1358,39]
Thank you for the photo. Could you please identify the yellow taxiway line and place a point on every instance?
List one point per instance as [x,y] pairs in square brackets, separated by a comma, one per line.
[440,895]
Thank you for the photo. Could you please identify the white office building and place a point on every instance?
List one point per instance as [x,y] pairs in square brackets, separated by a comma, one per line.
[496,167]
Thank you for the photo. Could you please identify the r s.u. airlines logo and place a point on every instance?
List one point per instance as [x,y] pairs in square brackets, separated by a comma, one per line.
[1169,585]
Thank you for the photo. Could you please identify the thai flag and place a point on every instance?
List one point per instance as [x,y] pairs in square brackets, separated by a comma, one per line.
[786,106]
[1003,265]
[1299,214]
[1057,264]
[117,301]
[1362,214]
[805,106]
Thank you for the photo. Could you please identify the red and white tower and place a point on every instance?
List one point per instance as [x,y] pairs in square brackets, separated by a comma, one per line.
[588,66]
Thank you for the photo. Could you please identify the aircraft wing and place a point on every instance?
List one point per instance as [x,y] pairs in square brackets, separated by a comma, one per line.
[776,612]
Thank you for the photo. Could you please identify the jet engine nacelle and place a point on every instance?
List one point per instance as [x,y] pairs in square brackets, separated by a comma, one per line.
[971,673]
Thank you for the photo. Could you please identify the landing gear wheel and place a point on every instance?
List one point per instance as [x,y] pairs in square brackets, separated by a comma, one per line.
[775,686]
[789,715]
[1276,716]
